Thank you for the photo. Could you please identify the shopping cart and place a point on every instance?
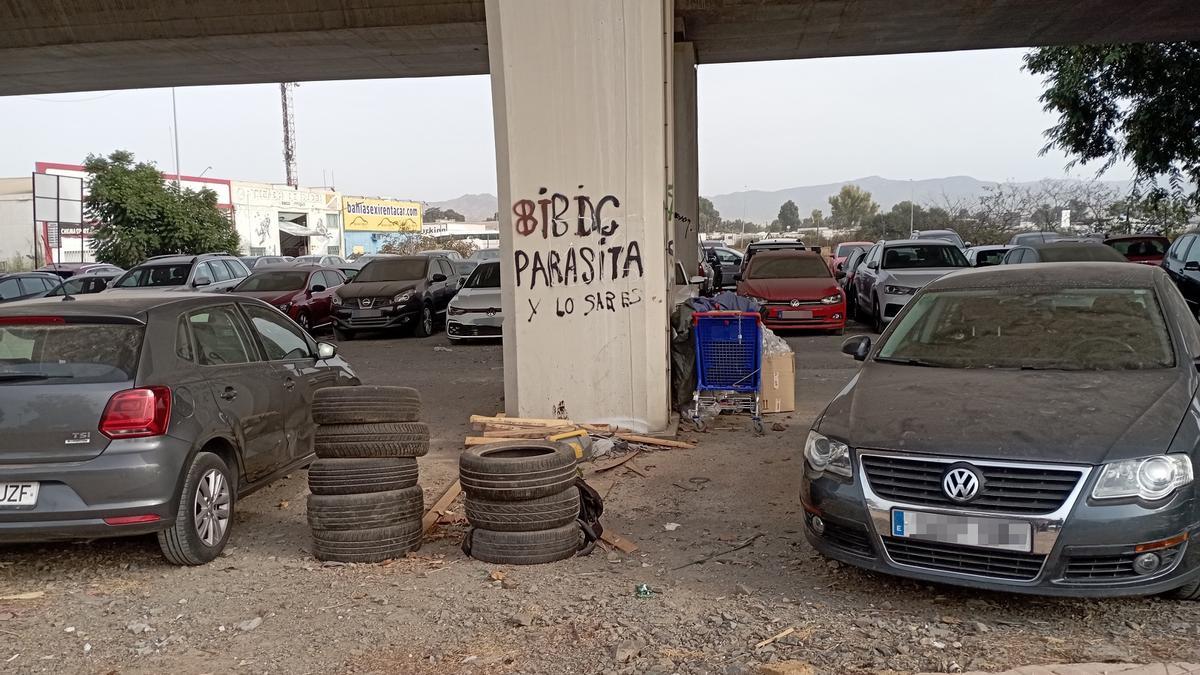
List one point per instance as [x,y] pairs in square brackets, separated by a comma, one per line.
[728,364]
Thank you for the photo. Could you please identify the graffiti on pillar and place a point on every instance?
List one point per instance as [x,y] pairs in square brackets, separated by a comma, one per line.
[594,255]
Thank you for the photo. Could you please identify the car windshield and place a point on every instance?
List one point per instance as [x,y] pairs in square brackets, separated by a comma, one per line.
[41,352]
[1052,329]
[274,281]
[917,256]
[844,250]
[402,269]
[1147,246]
[484,276]
[989,257]
[787,267]
[151,276]
[1080,253]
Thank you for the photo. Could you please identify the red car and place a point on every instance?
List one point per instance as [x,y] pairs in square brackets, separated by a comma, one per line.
[303,292]
[1147,249]
[797,291]
[843,250]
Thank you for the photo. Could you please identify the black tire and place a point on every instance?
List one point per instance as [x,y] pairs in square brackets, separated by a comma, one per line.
[398,439]
[1189,591]
[524,548]
[342,335]
[366,405]
[545,513]
[182,543]
[516,471]
[424,327]
[851,307]
[361,476]
[304,322]
[366,511]
[367,546]
[877,318]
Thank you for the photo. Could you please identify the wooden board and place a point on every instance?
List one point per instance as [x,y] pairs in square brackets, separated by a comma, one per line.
[523,433]
[601,468]
[650,440]
[621,543]
[435,512]
[520,421]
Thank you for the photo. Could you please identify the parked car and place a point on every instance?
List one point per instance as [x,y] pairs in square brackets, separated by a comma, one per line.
[1182,264]
[1062,250]
[26,285]
[79,285]
[728,260]
[208,272]
[1023,238]
[253,261]
[485,255]
[1030,429]
[155,413]
[983,256]
[349,271]
[1147,249]
[842,251]
[395,292]
[303,292]
[797,291]
[321,260]
[942,235]
[69,270]
[849,270]
[475,310]
[777,244]
[893,271]
[362,260]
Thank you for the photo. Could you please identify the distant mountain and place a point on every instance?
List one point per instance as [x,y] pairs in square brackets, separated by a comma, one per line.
[474,207]
[762,206]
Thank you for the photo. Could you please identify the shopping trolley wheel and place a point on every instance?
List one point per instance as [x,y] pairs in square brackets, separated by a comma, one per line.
[758,427]
[700,425]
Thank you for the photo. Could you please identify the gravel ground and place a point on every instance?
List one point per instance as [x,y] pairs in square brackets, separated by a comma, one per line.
[267,606]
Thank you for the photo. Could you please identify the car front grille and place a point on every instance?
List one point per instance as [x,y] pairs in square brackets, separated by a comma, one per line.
[1009,489]
[850,538]
[1110,567]
[984,562]
[468,330]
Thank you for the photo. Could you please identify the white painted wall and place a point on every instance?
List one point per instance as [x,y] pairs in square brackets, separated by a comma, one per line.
[580,96]
[16,231]
[256,209]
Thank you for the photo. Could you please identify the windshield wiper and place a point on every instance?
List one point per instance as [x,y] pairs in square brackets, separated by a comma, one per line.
[17,377]
[913,362]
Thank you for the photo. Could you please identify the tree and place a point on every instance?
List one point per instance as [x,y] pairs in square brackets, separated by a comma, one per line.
[434,214]
[710,218]
[1138,103]
[135,215]
[817,218]
[789,216]
[412,244]
[850,207]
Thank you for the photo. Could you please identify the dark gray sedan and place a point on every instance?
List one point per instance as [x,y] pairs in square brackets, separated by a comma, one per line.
[136,413]
[1028,428]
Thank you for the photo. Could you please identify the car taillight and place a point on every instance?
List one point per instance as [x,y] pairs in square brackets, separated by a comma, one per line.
[137,413]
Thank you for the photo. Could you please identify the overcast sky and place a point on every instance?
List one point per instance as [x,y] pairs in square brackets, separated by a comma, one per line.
[762,125]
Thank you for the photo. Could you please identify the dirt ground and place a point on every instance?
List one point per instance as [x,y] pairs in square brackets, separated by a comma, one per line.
[267,606]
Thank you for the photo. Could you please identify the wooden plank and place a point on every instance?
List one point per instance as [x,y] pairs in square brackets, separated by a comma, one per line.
[521,421]
[601,468]
[523,433]
[650,440]
[621,543]
[439,507]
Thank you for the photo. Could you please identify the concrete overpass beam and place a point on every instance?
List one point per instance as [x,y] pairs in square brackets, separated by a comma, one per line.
[686,165]
[580,96]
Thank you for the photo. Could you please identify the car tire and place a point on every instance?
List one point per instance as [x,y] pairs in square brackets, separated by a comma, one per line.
[366,511]
[877,318]
[366,405]
[342,335]
[393,439]
[851,307]
[1189,591]
[361,476]
[368,545]
[544,513]
[424,327]
[523,548]
[208,494]
[304,322]
[516,471]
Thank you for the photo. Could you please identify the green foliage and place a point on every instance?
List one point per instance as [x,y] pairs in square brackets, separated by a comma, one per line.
[710,218]
[1167,214]
[1138,103]
[433,214]
[138,216]
[789,216]
[412,244]
[851,207]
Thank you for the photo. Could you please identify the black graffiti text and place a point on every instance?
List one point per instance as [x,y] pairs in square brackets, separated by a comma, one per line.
[580,265]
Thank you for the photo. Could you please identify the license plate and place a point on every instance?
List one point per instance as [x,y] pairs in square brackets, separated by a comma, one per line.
[18,494]
[368,314]
[796,314]
[1010,535]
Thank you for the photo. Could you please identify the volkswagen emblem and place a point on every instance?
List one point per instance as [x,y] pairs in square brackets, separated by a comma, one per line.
[365,302]
[962,483]
[795,303]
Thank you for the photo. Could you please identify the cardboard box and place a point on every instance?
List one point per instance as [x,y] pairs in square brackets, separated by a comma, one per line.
[778,389]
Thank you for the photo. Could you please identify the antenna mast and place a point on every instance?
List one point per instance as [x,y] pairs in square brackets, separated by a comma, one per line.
[289,133]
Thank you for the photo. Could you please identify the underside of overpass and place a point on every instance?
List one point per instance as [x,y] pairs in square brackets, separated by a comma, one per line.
[75,45]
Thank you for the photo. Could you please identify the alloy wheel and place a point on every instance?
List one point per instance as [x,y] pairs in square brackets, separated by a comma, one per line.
[427,320]
[210,511]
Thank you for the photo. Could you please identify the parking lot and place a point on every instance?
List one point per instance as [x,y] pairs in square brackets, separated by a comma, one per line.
[268,606]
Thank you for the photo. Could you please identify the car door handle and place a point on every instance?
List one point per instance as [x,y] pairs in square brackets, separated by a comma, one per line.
[229,394]
[289,384]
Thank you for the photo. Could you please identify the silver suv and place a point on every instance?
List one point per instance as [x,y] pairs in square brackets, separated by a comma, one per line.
[207,272]
[892,271]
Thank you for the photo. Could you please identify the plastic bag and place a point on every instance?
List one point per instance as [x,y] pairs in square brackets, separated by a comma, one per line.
[773,345]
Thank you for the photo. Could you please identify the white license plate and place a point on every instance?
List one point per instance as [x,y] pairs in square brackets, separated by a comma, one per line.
[18,494]
[1010,535]
[797,314]
[368,314]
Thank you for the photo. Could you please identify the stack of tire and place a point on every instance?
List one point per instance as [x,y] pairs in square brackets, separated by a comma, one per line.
[366,505]
[521,502]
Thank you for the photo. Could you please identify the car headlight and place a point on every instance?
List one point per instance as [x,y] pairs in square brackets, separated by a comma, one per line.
[285,307]
[1151,479]
[455,311]
[825,454]
[402,298]
[336,300]
[831,299]
[899,290]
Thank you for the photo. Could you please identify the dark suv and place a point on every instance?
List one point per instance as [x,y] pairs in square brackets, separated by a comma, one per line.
[208,272]
[395,292]
[137,413]
[24,285]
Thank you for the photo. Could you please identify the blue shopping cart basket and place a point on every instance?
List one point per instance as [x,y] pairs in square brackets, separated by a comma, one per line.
[728,362]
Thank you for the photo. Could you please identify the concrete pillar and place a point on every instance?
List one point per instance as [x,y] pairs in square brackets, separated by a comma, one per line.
[686,160]
[580,94]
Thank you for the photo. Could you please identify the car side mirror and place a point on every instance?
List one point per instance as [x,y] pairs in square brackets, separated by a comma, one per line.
[873,265]
[1191,266]
[317,288]
[201,281]
[857,346]
[326,351]
[968,244]
[697,280]
[438,277]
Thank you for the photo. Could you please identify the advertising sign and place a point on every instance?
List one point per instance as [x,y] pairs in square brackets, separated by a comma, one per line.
[360,214]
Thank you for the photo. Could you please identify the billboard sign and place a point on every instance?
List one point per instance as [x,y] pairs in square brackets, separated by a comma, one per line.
[362,214]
